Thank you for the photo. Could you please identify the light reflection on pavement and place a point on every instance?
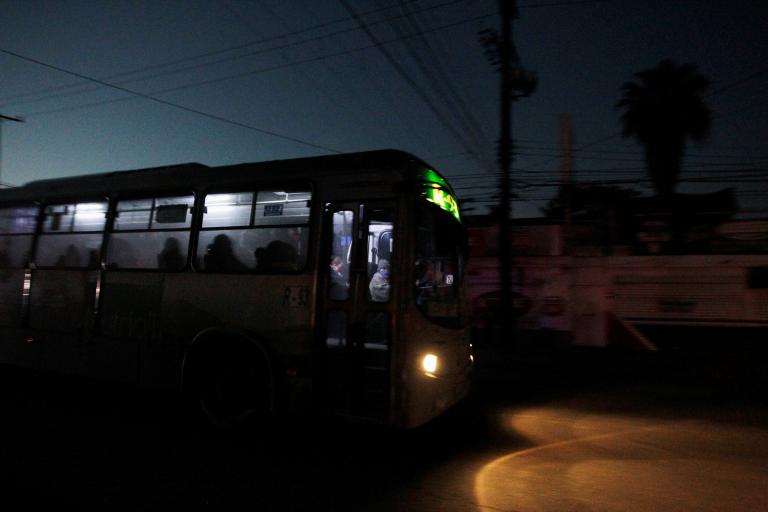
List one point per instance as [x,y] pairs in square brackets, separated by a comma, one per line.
[604,462]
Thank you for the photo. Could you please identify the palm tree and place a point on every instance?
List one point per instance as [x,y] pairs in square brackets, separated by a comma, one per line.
[663,108]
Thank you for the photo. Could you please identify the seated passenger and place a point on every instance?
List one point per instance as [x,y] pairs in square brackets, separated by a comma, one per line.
[278,256]
[170,257]
[70,258]
[338,287]
[379,286]
[221,258]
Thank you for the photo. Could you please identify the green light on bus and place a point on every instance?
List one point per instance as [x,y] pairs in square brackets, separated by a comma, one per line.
[432,177]
[444,200]
[438,191]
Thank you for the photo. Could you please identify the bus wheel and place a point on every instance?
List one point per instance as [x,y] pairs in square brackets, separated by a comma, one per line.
[234,391]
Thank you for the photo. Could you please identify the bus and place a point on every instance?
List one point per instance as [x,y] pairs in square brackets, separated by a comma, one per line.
[331,284]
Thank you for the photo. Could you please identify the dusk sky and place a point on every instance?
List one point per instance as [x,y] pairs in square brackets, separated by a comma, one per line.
[232,81]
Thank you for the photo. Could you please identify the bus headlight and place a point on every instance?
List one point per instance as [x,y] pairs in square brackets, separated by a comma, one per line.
[429,363]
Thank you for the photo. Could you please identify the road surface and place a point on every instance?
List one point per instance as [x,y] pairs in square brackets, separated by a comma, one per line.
[522,444]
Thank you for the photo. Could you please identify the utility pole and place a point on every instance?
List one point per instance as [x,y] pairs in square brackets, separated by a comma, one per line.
[507,9]
[4,118]
[516,82]
[566,176]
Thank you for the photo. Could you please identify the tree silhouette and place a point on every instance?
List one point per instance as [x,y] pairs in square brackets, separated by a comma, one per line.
[663,108]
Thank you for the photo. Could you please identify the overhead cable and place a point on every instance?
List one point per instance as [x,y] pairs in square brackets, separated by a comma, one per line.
[168,103]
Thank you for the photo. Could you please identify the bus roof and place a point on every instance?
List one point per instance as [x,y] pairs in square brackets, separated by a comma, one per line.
[194,175]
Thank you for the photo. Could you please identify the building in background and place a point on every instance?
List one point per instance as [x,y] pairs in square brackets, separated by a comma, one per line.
[692,273]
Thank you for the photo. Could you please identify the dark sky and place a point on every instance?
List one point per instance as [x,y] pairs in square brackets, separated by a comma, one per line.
[252,80]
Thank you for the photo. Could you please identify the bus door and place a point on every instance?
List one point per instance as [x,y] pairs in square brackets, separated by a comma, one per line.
[357,310]
[17,230]
[64,284]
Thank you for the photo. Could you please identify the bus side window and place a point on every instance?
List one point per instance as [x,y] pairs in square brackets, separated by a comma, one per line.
[151,233]
[245,231]
[72,235]
[286,249]
[17,228]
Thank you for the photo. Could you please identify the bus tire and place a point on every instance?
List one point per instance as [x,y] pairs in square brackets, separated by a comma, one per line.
[233,388]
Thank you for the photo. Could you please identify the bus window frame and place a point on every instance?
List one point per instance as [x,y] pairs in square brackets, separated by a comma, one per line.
[39,231]
[34,234]
[157,194]
[254,188]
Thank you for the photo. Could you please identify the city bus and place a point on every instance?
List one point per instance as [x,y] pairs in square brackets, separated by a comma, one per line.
[331,284]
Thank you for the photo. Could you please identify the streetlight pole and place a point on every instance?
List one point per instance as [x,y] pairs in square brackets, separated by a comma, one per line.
[516,82]
[4,118]
[507,9]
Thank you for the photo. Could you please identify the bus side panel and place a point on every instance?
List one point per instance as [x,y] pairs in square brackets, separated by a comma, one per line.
[11,288]
[12,349]
[61,313]
[129,319]
[162,351]
[276,309]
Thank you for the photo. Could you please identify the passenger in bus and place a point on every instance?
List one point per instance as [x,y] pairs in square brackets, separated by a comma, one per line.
[338,287]
[379,286]
[70,258]
[220,257]
[278,256]
[170,257]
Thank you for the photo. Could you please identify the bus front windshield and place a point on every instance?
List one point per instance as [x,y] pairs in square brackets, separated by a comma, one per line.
[439,266]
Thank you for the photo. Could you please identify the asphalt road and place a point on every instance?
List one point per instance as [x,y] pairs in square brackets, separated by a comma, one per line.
[618,460]
[537,436]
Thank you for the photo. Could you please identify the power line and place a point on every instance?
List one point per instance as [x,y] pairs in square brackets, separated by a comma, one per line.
[263,40]
[560,4]
[410,81]
[199,56]
[213,53]
[556,149]
[246,73]
[290,61]
[738,82]
[734,175]
[436,73]
[167,103]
